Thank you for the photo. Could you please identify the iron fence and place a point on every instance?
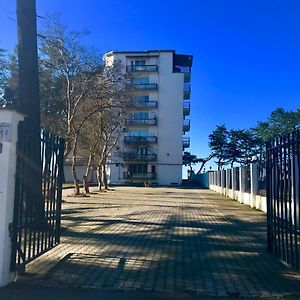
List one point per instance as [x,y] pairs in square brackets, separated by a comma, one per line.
[37,208]
[283,184]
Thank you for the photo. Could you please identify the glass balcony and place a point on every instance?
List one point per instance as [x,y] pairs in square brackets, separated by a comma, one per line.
[140,69]
[185,142]
[140,140]
[187,91]
[145,86]
[139,157]
[140,176]
[186,108]
[145,104]
[187,77]
[186,125]
[141,122]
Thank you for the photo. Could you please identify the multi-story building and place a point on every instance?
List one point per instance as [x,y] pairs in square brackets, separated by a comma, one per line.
[154,135]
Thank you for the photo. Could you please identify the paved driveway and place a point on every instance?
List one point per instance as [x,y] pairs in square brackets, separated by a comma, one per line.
[161,243]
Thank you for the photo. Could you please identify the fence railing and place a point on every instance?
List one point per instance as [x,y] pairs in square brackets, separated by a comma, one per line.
[246,184]
[283,197]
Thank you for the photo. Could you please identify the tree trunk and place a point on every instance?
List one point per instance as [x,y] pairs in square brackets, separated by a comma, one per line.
[99,178]
[87,175]
[104,176]
[86,184]
[75,178]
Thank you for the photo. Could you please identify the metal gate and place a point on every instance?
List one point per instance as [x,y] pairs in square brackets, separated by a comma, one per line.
[283,183]
[37,209]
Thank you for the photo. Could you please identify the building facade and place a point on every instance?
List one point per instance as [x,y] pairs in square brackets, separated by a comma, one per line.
[154,137]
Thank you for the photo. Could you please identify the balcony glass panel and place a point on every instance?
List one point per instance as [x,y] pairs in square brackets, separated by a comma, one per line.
[187,91]
[140,139]
[145,104]
[139,157]
[186,125]
[141,122]
[185,142]
[127,175]
[141,68]
[186,108]
[146,86]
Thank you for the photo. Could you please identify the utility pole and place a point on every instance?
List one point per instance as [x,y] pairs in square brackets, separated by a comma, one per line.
[30,105]
[28,62]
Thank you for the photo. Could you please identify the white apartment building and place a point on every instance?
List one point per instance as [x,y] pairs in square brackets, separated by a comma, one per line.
[151,146]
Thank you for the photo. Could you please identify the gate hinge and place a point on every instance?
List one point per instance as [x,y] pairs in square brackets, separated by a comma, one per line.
[11,229]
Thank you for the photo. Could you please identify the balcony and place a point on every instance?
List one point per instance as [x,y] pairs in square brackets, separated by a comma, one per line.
[187,77]
[185,142]
[140,140]
[139,157]
[145,86]
[186,108]
[187,91]
[186,125]
[141,69]
[141,122]
[139,176]
[145,104]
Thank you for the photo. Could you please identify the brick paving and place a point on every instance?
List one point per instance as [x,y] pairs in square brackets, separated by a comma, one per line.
[163,240]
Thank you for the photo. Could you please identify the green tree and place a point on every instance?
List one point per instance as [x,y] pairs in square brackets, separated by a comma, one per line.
[218,142]
[242,145]
[278,123]
[189,159]
[3,71]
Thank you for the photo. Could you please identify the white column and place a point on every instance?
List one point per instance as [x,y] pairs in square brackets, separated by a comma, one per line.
[9,121]
[254,183]
[233,182]
[242,184]
[227,176]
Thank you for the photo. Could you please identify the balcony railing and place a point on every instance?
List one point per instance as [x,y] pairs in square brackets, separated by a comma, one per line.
[140,176]
[139,157]
[187,91]
[140,139]
[186,125]
[145,86]
[144,104]
[187,77]
[145,68]
[186,108]
[141,122]
[185,142]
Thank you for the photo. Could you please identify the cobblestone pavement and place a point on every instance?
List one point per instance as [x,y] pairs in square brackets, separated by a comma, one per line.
[163,240]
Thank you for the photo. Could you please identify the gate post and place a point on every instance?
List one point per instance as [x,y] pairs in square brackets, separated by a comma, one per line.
[242,176]
[9,121]
[254,181]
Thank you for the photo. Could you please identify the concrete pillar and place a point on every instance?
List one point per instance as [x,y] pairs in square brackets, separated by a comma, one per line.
[9,121]
[242,180]
[254,183]
[227,192]
[234,182]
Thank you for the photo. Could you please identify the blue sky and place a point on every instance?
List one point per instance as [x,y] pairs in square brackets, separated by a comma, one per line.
[246,53]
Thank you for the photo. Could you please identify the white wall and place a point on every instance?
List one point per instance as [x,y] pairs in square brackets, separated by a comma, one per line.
[8,160]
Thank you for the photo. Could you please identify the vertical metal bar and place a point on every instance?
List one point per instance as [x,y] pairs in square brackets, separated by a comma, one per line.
[290,221]
[59,187]
[52,186]
[296,196]
[269,198]
[285,198]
